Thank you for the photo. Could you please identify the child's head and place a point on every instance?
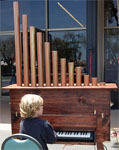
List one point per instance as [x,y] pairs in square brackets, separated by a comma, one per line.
[31,105]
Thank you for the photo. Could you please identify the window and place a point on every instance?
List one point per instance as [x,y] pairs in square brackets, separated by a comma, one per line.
[7,61]
[112,55]
[67,30]
[67,13]
[111,13]
[33,8]
[111,46]
[111,35]
[70,45]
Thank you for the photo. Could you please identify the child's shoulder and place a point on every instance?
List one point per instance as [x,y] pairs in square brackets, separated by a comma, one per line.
[43,122]
[47,124]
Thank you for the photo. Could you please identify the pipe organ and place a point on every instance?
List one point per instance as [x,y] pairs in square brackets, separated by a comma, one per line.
[74,107]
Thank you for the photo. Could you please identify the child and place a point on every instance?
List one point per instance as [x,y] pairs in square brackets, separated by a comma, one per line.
[31,106]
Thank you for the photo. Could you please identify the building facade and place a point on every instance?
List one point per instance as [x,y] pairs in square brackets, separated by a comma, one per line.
[84,31]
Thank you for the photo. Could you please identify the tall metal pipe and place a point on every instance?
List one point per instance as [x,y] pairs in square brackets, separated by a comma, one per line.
[17,43]
[33,56]
[40,58]
[25,50]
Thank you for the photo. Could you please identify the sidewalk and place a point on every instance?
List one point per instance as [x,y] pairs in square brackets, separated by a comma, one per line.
[5,130]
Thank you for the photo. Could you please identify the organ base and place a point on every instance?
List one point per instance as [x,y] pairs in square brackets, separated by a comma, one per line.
[70,109]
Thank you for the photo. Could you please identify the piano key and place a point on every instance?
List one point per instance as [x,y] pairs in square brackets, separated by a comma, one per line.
[75,135]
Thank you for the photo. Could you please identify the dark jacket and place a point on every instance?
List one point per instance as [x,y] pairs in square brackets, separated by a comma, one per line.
[40,129]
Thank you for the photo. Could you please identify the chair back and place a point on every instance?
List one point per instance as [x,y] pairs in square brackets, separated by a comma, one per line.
[21,142]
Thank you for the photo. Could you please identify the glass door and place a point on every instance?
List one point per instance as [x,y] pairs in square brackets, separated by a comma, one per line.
[111,46]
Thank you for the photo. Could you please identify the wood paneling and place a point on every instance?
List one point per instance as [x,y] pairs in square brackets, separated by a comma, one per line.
[70,109]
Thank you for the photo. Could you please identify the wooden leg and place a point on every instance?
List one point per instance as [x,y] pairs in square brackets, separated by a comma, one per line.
[100,146]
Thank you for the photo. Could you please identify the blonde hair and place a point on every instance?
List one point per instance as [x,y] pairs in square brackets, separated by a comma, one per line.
[29,104]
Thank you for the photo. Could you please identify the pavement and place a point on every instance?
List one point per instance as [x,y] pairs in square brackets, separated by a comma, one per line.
[5,130]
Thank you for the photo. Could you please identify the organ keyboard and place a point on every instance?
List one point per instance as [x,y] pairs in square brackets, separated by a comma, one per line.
[75,136]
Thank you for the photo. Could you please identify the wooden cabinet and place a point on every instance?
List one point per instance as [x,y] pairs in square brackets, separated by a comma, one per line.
[69,108]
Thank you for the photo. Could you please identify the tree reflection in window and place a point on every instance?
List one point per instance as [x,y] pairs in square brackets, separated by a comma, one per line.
[111,13]
[7,55]
[111,55]
[69,47]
